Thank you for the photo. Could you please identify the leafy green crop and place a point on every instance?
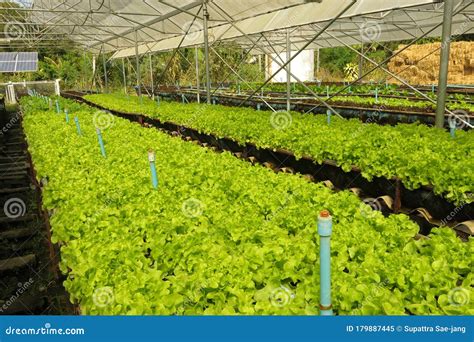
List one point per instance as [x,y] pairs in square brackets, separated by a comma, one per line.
[220,236]
[459,100]
[417,154]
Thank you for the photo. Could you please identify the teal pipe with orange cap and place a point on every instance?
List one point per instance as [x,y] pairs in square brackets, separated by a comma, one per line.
[325,231]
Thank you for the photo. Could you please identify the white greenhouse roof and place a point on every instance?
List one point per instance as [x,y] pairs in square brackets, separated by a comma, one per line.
[117,25]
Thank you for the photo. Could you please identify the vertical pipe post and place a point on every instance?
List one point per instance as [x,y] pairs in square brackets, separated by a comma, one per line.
[444,62]
[376,95]
[258,106]
[154,176]
[452,126]
[101,142]
[198,83]
[325,231]
[78,126]
[317,63]
[93,71]
[106,80]
[57,107]
[67,115]
[137,61]
[151,78]
[361,60]
[206,54]
[328,114]
[288,70]
[50,104]
[327,91]
[124,77]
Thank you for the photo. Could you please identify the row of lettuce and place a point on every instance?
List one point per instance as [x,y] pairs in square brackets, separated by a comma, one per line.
[417,154]
[220,236]
[358,89]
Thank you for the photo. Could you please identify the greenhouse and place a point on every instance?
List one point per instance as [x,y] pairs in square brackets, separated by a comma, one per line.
[237,158]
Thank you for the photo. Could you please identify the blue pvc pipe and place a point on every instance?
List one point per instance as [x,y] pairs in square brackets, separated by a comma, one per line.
[258,106]
[452,128]
[328,113]
[158,100]
[101,142]
[57,107]
[154,175]
[78,126]
[182,98]
[325,231]
[67,115]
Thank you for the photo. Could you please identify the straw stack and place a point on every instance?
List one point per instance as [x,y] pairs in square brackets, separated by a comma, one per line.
[414,67]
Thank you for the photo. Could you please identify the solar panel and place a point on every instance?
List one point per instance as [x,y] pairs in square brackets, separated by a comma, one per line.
[18,61]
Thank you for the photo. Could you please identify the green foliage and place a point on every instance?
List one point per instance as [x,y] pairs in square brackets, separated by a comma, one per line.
[417,154]
[130,249]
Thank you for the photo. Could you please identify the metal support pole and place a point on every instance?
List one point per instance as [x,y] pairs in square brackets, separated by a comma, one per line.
[93,72]
[288,71]
[151,78]
[206,54]
[198,85]
[124,77]
[444,62]
[361,60]
[106,80]
[317,63]
[137,60]
[325,231]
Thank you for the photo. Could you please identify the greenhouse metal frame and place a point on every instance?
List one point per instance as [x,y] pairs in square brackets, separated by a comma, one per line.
[135,28]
